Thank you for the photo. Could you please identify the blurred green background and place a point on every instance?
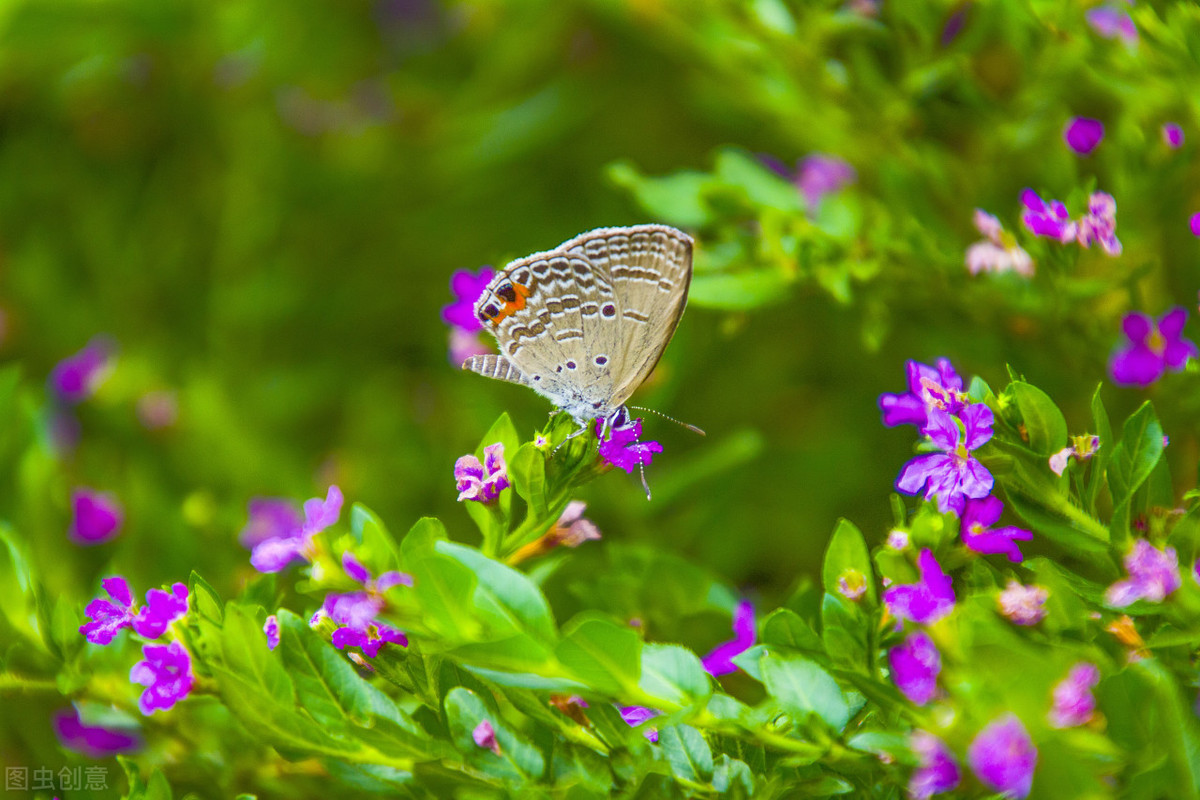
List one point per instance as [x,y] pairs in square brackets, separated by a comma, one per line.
[262,204]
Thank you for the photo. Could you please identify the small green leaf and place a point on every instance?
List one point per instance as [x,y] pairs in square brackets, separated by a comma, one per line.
[785,628]
[741,290]
[676,198]
[601,654]
[518,761]
[204,598]
[847,553]
[688,754]
[527,468]
[801,686]
[762,186]
[674,674]
[508,599]
[1044,423]
[844,633]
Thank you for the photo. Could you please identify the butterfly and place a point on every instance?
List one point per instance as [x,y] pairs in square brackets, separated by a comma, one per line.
[584,324]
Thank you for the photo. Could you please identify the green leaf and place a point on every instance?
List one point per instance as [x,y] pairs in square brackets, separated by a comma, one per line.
[762,185]
[1139,451]
[528,472]
[801,687]
[785,628]
[688,754]
[518,761]
[847,552]
[601,654]
[676,198]
[204,598]
[443,589]
[1044,423]
[378,546]
[1099,462]
[733,778]
[675,675]
[844,633]
[507,599]
[741,290]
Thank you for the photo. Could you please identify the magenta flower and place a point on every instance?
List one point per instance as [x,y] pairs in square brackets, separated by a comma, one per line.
[636,715]
[271,629]
[269,518]
[915,664]
[1081,449]
[573,528]
[464,344]
[359,609]
[720,660]
[937,771]
[375,636]
[161,609]
[277,552]
[927,600]
[999,251]
[167,675]
[76,377]
[1111,22]
[93,741]
[1194,224]
[928,387]
[467,288]
[1083,134]
[108,617]
[1173,135]
[898,540]
[622,449]
[1046,219]
[1073,701]
[979,535]
[1099,224]
[1022,605]
[482,482]
[157,410]
[1153,574]
[954,475]
[1003,757]
[96,517]
[818,175]
[485,737]
[1152,349]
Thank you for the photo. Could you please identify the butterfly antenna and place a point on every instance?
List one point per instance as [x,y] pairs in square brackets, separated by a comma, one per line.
[691,428]
[645,485]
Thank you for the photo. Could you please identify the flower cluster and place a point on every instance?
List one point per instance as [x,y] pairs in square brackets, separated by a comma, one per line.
[1050,219]
[166,671]
[356,613]
[482,482]
[1151,348]
[465,327]
[998,251]
[284,545]
[1153,574]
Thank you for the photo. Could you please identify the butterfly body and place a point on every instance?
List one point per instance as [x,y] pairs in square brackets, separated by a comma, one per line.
[585,323]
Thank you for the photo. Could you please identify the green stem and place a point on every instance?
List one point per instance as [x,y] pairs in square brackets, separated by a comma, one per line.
[9,681]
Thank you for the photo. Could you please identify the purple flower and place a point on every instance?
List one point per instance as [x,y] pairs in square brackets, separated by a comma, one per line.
[482,482]
[76,377]
[915,666]
[275,553]
[927,600]
[1082,448]
[1194,224]
[1073,701]
[818,175]
[1003,757]
[269,518]
[937,771]
[1111,22]
[464,344]
[979,535]
[161,609]
[467,288]
[358,610]
[1023,605]
[1153,574]
[852,584]
[720,660]
[1152,349]
[271,629]
[157,410]
[1173,135]
[998,252]
[636,715]
[928,387]
[93,741]
[167,675]
[622,449]
[375,636]
[485,736]
[898,540]
[96,517]
[1082,134]
[108,617]
[1099,224]
[954,475]
[1046,219]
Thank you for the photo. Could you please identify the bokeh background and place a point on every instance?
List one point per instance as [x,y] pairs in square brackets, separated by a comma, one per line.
[261,205]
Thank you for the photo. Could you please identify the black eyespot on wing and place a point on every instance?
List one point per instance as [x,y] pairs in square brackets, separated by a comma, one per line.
[609,310]
[558,368]
[537,377]
[507,293]
[571,365]
[491,310]
[601,361]
[522,277]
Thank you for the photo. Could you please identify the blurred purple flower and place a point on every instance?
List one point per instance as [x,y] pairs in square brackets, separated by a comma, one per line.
[466,287]
[1194,224]
[1153,574]
[167,675]
[998,252]
[937,771]
[1083,134]
[927,600]
[96,517]
[1172,134]
[1046,219]
[1099,224]
[271,629]
[157,410]
[1022,605]
[1152,349]
[161,609]
[928,387]
[1082,448]
[636,715]
[954,475]
[1111,22]
[93,741]
[484,482]
[76,377]
[359,609]
[898,540]
[1003,757]
[818,175]
[954,24]
[979,535]
[485,737]
[720,660]
[277,552]
[1073,701]
[572,528]
[109,616]
[464,344]
[915,666]
[622,449]
[375,636]
[269,518]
